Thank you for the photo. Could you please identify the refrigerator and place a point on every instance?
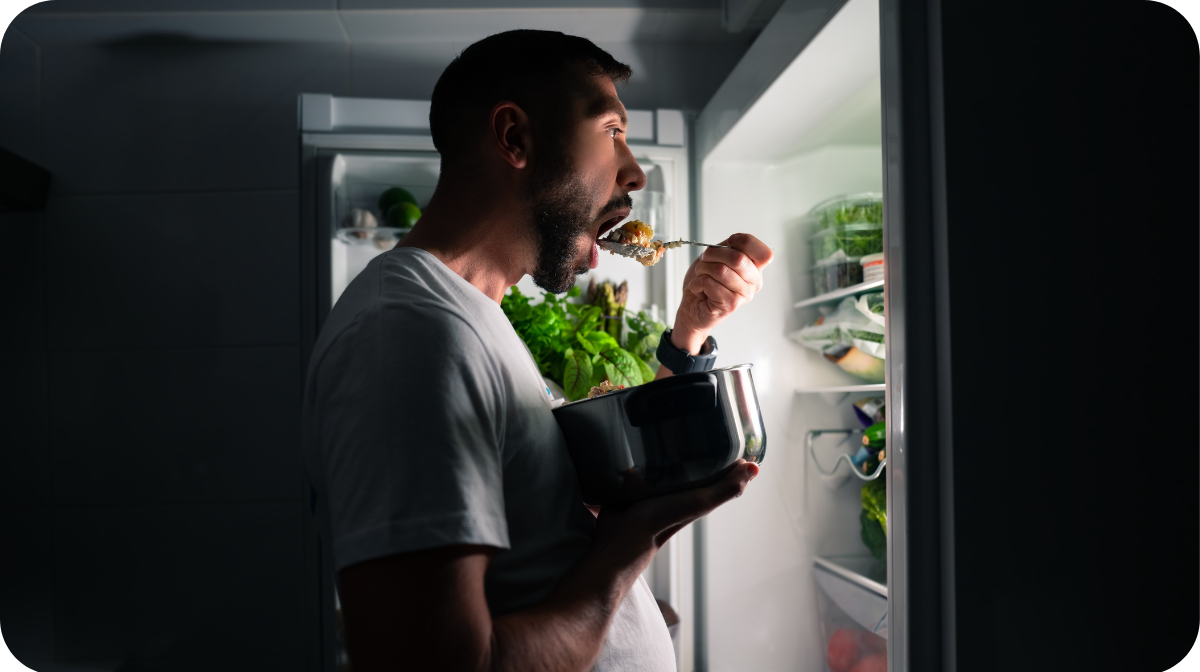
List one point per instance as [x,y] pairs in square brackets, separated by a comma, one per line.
[767,581]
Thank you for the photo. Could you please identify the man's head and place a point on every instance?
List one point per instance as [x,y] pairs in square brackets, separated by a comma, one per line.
[546,104]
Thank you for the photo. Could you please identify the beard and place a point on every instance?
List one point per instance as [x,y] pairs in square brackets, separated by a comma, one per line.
[561,213]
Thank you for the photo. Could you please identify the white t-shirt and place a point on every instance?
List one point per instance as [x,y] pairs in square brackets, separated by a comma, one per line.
[427,424]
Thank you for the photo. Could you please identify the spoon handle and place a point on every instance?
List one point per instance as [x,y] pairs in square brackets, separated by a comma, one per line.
[692,242]
[637,251]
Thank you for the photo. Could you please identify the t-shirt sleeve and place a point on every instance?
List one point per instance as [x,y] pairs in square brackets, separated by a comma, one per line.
[410,426]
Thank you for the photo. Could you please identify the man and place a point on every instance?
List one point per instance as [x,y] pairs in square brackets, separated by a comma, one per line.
[459,536]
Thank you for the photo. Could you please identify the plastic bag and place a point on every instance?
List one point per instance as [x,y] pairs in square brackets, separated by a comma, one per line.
[851,336]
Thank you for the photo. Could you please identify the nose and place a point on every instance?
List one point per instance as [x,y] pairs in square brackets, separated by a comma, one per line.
[630,176]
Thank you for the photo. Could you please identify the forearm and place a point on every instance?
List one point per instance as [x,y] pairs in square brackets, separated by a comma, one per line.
[567,630]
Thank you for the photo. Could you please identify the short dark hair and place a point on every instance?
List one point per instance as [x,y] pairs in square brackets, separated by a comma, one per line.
[540,70]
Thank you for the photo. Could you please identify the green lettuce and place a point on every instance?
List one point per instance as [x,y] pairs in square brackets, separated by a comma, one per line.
[874,517]
[574,345]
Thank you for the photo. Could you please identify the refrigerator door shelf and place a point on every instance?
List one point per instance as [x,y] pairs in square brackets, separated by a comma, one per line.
[843,464]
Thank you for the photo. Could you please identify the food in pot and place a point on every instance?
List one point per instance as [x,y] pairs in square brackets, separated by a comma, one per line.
[603,388]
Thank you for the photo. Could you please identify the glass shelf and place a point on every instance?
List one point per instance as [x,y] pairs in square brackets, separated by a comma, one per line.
[842,293]
[383,237]
[871,387]
[863,570]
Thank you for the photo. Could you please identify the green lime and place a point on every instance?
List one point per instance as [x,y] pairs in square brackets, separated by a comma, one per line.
[403,215]
[393,196]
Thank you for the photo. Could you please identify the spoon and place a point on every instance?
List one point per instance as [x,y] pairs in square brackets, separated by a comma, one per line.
[637,251]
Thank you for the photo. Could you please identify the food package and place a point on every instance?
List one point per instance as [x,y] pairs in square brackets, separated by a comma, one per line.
[869,410]
[852,336]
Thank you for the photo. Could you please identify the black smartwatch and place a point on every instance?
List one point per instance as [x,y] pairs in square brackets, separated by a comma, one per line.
[681,361]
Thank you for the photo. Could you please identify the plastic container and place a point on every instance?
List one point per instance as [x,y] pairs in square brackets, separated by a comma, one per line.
[872,267]
[831,276]
[844,229]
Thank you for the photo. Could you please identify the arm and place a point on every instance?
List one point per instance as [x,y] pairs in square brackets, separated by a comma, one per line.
[426,610]
[719,282]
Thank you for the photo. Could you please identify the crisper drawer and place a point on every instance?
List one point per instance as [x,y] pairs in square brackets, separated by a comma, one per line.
[854,615]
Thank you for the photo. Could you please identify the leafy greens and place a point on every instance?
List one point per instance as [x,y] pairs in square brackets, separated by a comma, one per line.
[574,344]
[874,517]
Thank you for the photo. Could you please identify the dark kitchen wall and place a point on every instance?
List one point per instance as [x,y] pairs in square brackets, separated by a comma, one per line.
[151,504]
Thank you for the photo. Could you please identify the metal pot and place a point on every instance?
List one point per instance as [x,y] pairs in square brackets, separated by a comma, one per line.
[664,436]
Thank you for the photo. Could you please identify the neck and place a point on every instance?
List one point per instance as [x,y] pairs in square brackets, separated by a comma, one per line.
[481,234]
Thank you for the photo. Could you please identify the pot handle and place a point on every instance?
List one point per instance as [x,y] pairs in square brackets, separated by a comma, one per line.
[671,398]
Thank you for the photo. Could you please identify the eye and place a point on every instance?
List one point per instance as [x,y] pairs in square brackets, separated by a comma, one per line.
[614,132]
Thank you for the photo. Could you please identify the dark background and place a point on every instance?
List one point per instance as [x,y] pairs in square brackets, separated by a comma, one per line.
[1073,187]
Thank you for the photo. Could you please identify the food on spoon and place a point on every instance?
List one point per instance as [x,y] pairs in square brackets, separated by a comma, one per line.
[603,388]
[638,233]
[654,252]
[633,232]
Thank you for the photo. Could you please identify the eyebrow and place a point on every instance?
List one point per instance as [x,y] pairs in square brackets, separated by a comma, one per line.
[606,105]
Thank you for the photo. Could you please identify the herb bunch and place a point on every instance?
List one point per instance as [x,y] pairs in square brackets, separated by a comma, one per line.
[577,346]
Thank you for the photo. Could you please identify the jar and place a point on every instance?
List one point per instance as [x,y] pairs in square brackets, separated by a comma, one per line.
[872,267]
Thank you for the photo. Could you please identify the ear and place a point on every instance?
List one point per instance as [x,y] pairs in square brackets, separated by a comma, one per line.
[511,135]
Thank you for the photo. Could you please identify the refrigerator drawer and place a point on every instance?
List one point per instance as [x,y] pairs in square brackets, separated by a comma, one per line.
[854,618]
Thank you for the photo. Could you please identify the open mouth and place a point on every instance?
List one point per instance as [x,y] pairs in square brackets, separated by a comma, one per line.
[611,222]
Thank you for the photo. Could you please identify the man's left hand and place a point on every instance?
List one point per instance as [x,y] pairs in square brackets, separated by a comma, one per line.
[718,283]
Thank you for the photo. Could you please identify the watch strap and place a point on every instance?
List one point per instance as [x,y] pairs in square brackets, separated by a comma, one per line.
[680,361]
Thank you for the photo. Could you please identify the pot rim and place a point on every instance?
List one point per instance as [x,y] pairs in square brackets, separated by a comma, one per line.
[617,393]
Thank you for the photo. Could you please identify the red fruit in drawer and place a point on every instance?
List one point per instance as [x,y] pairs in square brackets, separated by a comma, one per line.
[876,662]
[843,650]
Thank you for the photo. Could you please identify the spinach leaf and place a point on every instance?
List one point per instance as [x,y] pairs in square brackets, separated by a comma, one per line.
[621,367]
[577,374]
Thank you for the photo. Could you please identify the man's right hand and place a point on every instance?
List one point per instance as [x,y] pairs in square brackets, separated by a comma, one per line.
[427,611]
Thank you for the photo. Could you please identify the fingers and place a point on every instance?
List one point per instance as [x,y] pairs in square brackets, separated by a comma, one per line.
[729,278]
[751,247]
[717,300]
[679,509]
[737,262]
